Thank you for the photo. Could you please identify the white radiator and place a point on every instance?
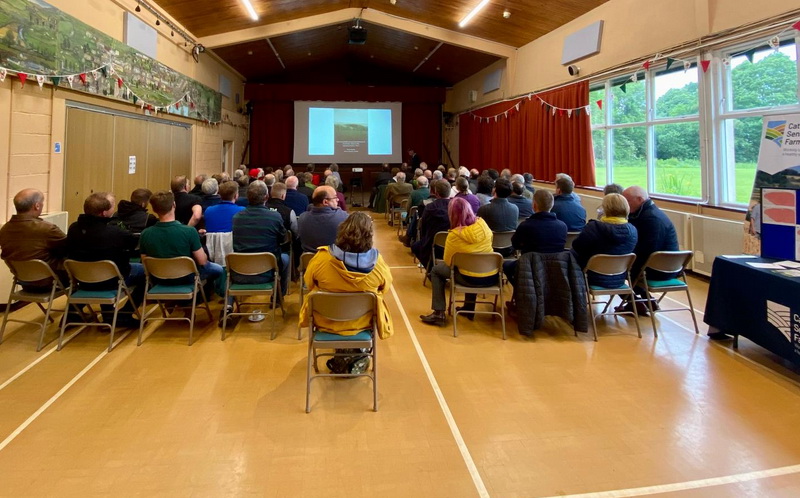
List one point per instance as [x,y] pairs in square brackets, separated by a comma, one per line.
[711,237]
[59,219]
[682,222]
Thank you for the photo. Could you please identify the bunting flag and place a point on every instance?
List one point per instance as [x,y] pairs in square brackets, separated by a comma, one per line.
[554,111]
[135,99]
[687,66]
[705,65]
[599,104]
[670,62]
[56,80]
[646,65]
[623,88]
[40,80]
[796,25]
[569,113]
[750,54]
[94,74]
[22,78]
[3,74]
[178,105]
[119,82]
[70,79]
[577,112]
[82,76]
[104,71]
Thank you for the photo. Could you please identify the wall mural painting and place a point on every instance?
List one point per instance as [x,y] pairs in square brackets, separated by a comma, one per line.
[49,46]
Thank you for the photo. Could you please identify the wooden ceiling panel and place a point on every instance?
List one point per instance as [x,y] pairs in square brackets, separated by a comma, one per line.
[453,64]
[529,19]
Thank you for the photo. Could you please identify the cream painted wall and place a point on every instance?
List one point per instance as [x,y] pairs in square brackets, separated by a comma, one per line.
[32,119]
[632,29]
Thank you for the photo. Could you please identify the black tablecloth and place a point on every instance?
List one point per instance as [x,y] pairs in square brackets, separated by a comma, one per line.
[756,303]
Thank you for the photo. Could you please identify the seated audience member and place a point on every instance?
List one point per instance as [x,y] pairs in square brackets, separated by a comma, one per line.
[133,213]
[306,187]
[335,172]
[333,182]
[313,179]
[433,218]
[462,190]
[473,180]
[317,227]
[485,185]
[294,199]
[269,181]
[398,190]
[259,229]
[525,193]
[655,231]
[506,173]
[219,218]
[278,176]
[171,239]
[611,188]
[244,182]
[420,194]
[26,236]
[277,203]
[529,182]
[437,175]
[198,185]
[467,235]
[493,174]
[612,234]
[499,214]
[516,198]
[566,207]
[188,207]
[210,195]
[427,174]
[93,237]
[574,194]
[541,232]
[350,264]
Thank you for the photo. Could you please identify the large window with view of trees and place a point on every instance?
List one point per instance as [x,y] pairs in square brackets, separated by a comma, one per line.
[683,133]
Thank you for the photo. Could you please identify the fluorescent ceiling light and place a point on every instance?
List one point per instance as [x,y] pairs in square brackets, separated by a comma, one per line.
[472,13]
[250,9]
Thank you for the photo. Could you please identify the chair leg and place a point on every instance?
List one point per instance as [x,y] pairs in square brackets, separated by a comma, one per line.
[224,315]
[374,373]
[308,374]
[113,328]
[650,308]
[63,326]
[194,312]
[144,318]
[591,312]
[635,314]
[275,291]
[5,318]
[47,319]
[691,310]
[608,303]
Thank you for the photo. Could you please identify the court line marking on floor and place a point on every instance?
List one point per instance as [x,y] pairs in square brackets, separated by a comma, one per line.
[35,362]
[50,401]
[403,267]
[448,415]
[696,484]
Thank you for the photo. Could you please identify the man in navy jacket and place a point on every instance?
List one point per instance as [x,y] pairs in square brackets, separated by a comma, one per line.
[567,207]
[655,229]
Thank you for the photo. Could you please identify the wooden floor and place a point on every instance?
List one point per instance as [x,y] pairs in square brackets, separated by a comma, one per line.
[466,416]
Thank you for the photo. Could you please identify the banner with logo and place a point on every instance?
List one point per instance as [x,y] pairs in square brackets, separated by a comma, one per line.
[772,223]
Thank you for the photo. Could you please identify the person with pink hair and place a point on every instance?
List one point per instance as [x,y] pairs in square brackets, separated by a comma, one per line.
[467,234]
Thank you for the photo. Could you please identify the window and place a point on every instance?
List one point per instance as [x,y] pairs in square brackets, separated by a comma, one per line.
[684,133]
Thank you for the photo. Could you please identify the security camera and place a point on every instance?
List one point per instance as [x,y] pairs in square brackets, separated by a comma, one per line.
[573,70]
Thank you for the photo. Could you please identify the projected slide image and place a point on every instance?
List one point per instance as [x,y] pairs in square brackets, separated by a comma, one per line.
[349,131]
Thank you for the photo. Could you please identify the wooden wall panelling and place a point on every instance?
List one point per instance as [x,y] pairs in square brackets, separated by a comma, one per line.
[89,150]
[130,139]
[181,153]
[159,156]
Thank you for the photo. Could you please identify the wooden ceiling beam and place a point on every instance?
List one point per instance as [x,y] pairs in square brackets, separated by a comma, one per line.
[369,15]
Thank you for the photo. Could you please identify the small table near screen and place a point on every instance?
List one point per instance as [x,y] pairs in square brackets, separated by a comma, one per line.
[759,304]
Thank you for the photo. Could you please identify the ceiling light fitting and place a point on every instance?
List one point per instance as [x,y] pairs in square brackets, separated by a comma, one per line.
[473,13]
[187,40]
[250,10]
[138,8]
[506,14]
[158,22]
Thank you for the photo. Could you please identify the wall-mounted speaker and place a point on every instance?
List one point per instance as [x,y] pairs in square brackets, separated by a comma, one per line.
[357,35]
[473,96]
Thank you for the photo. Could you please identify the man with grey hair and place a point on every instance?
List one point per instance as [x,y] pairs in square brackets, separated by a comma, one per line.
[210,195]
[437,175]
[269,180]
[294,199]
[398,190]
[26,236]
[517,178]
[529,182]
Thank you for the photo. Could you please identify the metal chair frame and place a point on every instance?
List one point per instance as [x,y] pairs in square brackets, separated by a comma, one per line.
[33,271]
[305,259]
[667,262]
[610,265]
[251,264]
[571,236]
[92,272]
[440,239]
[342,306]
[477,262]
[169,269]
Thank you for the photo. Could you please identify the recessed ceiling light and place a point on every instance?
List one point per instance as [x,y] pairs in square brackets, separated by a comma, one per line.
[416,47]
[506,14]
[250,10]
[472,13]
[249,52]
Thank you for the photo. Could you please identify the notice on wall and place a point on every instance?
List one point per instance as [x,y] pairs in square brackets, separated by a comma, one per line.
[131,165]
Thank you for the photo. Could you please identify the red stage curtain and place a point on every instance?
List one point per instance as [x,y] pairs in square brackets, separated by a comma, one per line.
[532,139]
[272,120]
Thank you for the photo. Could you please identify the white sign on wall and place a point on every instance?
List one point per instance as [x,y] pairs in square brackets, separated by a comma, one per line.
[131,165]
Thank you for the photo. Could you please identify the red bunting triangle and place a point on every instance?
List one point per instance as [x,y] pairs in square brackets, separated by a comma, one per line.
[704,65]
[82,76]
[119,82]
[22,77]
[646,65]
[561,112]
[599,104]
[796,25]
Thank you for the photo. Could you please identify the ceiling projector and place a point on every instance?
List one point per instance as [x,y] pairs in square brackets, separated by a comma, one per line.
[357,34]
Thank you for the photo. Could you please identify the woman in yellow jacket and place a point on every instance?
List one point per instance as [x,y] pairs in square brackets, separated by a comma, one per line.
[351,264]
[467,234]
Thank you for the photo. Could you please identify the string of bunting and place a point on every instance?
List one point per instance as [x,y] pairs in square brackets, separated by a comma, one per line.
[106,70]
[554,110]
[774,42]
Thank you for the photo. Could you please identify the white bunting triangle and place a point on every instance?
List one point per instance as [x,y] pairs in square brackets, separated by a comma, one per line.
[517,106]
[94,74]
[687,66]
[3,74]
[70,79]
[569,113]
[40,80]
[554,111]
